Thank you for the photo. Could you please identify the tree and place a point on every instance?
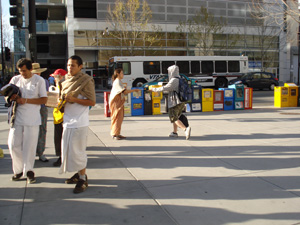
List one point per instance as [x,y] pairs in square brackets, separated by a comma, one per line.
[7,35]
[129,25]
[273,29]
[266,41]
[278,10]
[202,29]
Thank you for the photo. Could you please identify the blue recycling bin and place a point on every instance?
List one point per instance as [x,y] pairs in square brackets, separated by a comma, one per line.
[196,104]
[239,97]
[137,102]
[228,98]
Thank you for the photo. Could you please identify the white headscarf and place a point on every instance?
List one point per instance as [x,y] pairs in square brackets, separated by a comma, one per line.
[173,71]
[117,88]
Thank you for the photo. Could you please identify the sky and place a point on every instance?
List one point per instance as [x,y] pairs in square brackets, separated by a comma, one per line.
[5,11]
[5,17]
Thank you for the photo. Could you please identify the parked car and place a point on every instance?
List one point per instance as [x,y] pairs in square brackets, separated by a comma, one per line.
[257,80]
[164,79]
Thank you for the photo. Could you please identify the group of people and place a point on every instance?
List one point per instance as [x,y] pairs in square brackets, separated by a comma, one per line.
[27,133]
[71,119]
[175,106]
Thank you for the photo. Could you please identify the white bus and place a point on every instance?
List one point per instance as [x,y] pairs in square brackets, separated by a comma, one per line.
[208,71]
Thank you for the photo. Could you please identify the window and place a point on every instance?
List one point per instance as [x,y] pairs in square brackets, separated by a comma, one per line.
[41,14]
[233,66]
[184,66]
[151,67]
[85,9]
[125,66]
[256,76]
[207,67]
[220,67]
[165,65]
[266,76]
[42,44]
[195,67]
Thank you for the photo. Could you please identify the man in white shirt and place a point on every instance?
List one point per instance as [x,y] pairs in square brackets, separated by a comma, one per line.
[23,135]
[78,91]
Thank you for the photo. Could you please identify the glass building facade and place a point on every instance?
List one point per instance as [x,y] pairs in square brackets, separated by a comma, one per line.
[259,43]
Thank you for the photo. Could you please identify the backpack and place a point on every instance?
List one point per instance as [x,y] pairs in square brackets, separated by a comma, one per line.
[184,90]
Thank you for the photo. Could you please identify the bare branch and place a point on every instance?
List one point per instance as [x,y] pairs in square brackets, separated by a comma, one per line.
[130,23]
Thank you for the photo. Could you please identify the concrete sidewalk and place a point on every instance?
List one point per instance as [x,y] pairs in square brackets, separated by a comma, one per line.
[239,167]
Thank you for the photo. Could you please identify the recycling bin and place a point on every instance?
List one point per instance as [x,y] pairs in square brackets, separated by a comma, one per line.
[281,95]
[147,103]
[195,105]
[137,102]
[228,98]
[248,93]
[207,100]
[218,100]
[293,94]
[106,104]
[238,95]
[156,100]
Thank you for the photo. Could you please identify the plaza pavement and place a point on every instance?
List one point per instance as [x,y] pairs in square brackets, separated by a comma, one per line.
[239,167]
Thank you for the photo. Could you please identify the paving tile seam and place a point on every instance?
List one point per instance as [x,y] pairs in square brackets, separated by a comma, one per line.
[198,180]
[276,185]
[226,177]
[149,193]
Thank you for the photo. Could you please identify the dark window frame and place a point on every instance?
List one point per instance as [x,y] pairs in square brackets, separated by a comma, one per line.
[194,66]
[207,67]
[220,66]
[85,9]
[234,66]
[151,69]
[165,65]
[184,67]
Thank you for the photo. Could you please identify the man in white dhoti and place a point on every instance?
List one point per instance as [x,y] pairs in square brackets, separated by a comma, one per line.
[78,93]
[23,134]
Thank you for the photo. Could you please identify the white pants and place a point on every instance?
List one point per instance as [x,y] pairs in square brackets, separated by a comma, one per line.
[73,149]
[22,142]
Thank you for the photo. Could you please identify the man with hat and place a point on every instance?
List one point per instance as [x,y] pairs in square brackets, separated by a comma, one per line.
[23,136]
[59,76]
[41,146]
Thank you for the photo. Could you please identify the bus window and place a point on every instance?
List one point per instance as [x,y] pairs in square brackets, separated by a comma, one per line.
[195,67]
[151,67]
[233,66]
[126,68]
[184,67]
[165,65]
[220,67]
[207,67]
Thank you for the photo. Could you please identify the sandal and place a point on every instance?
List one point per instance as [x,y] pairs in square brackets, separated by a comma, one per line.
[116,138]
[121,136]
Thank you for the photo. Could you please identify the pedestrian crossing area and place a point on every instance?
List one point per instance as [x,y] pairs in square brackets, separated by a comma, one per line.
[3,109]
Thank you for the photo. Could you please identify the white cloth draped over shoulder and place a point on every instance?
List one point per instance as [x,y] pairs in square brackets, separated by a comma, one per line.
[117,88]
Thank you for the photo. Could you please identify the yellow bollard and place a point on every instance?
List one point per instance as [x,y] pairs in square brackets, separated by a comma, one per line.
[1,153]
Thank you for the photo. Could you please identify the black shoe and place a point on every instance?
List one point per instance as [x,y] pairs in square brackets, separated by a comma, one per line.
[30,177]
[17,177]
[81,186]
[73,180]
[58,162]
